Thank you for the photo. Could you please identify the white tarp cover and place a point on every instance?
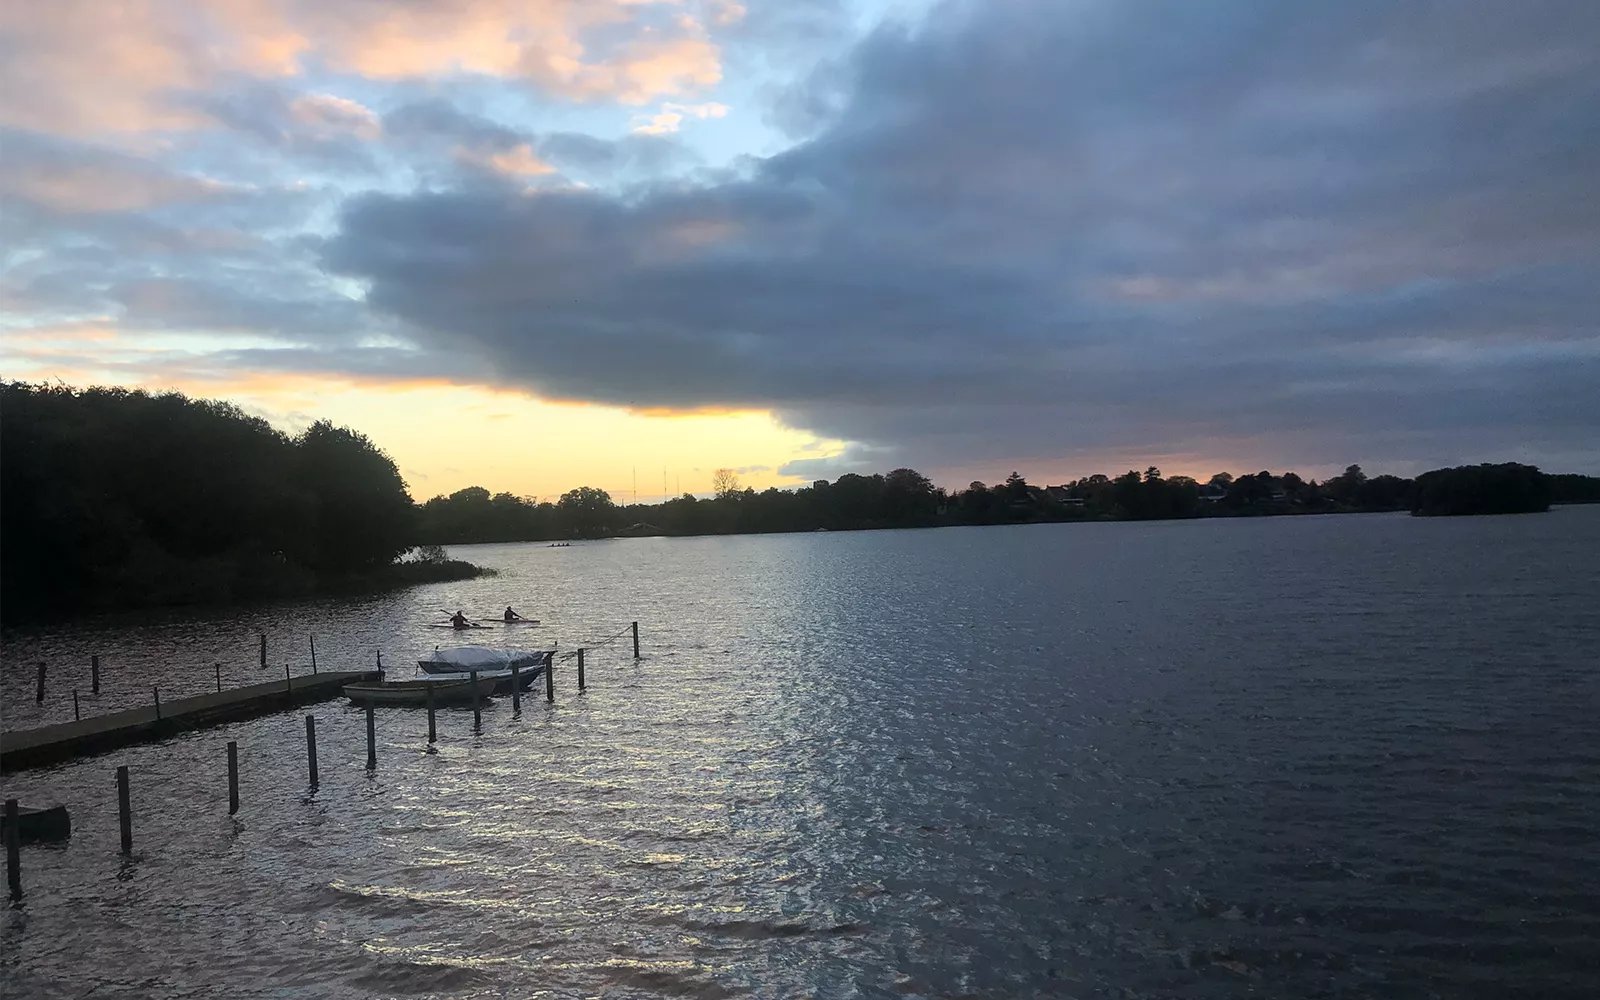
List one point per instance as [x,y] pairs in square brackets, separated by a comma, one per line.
[473,658]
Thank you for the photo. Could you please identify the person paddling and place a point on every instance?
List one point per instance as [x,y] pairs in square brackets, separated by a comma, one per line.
[512,616]
[459,620]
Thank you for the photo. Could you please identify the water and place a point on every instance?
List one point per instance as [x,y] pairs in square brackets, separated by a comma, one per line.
[1315,757]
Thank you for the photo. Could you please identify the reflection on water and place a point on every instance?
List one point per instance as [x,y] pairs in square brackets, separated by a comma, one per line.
[1348,756]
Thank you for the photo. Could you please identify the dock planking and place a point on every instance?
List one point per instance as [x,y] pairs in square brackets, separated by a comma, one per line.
[49,744]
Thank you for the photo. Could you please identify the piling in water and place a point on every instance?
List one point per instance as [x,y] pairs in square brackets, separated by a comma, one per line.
[157,693]
[94,674]
[124,809]
[38,696]
[288,679]
[372,740]
[311,746]
[76,716]
[13,850]
[219,678]
[516,690]
[581,685]
[313,652]
[550,680]
[635,640]
[433,732]
[263,651]
[477,704]
[233,777]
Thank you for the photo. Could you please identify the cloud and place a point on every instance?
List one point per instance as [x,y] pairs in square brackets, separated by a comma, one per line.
[1065,230]
[80,67]
[670,117]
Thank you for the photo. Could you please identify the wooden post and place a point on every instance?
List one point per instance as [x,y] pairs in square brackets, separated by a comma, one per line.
[311,747]
[433,733]
[94,674]
[477,704]
[13,851]
[380,664]
[157,692]
[219,678]
[372,740]
[124,809]
[313,653]
[263,651]
[550,680]
[38,696]
[635,640]
[288,680]
[76,717]
[516,690]
[581,684]
[233,777]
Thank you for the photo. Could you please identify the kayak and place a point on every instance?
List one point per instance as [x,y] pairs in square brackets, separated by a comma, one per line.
[460,628]
[519,621]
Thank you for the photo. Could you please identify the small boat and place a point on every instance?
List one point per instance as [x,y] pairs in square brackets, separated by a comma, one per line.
[453,663]
[461,659]
[520,621]
[452,690]
[459,628]
[40,825]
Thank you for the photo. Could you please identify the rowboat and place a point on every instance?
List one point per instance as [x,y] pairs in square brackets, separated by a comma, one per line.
[453,690]
[461,659]
[40,825]
[454,663]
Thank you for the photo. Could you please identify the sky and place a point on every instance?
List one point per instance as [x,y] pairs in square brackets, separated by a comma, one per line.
[537,244]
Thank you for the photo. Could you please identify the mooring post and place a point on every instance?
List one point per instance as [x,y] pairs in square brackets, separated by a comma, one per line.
[233,777]
[516,690]
[313,652]
[635,640]
[288,680]
[477,704]
[219,678]
[380,664]
[38,696]
[157,692]
[263,651]
[372,740]
[124,809]
[581,685]
[13,851]
[433,733]
[311,747]
[75,716]
[550,679]
[94,674]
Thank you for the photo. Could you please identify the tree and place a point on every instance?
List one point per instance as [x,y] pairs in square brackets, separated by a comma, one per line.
[363,516]
[908,497]
[587,510]
[724,483]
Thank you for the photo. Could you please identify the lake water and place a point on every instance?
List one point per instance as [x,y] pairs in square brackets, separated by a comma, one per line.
[1351,756]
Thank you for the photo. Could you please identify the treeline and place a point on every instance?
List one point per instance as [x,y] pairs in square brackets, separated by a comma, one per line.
[117,498]
[906,498]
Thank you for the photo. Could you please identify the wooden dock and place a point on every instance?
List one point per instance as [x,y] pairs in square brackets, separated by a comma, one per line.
[64,741]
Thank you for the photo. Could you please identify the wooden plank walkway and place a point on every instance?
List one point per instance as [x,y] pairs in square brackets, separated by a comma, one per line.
[64,741]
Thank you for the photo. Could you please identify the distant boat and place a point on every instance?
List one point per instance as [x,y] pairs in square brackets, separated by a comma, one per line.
[454,690]
[459,628]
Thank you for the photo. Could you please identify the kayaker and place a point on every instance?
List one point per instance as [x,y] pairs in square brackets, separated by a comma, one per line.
[459,620]
[512,616]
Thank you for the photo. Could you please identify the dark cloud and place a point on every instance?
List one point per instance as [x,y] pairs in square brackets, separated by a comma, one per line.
[1309,233]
